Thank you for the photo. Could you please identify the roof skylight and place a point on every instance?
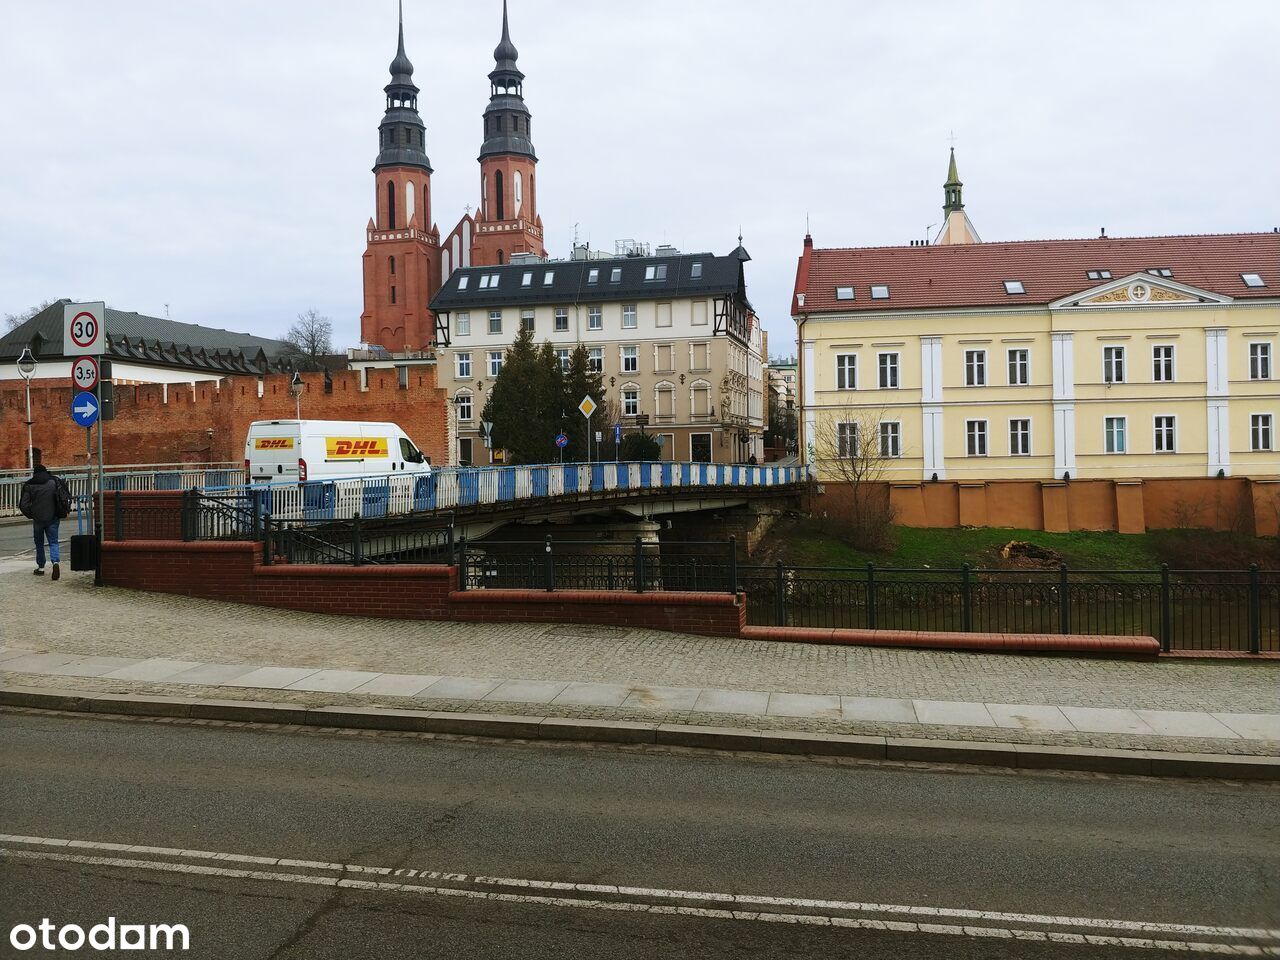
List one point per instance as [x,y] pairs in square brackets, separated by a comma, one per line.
[615,275]
[527,280]
[462,282]
[1014,286]
[880,291]
[593,276]
[695,271]
[844,293]
[1099,274]
[655,271]
[548,277]
[1253,280]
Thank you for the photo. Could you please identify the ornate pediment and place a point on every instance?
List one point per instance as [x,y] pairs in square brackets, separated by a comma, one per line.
[1139,290]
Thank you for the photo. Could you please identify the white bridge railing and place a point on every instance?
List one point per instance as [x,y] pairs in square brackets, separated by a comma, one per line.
[449,488]
[133,477]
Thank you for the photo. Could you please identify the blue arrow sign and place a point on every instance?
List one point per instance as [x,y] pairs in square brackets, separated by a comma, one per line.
[617,433]
[84,409]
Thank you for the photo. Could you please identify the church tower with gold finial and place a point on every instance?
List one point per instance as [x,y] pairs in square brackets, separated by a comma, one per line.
[957,227]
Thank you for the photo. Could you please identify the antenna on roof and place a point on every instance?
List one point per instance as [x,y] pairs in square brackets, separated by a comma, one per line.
[166,311]
[1103,234]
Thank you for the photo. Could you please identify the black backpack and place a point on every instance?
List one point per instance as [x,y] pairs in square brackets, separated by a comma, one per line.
[62,498]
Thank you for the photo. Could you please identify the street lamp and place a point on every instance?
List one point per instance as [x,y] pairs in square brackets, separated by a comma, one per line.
[27,367]
[296,386]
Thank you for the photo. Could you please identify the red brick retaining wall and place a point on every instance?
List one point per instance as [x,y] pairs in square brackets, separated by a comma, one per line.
[233,572]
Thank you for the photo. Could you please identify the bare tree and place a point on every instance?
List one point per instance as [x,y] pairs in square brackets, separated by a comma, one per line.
[311,335]
[851,447]
[12,321]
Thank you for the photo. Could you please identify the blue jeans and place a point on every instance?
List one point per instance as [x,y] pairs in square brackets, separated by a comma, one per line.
[43,531]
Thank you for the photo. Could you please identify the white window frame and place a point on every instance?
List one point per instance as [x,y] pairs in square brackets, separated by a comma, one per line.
[894,368]
[495,358]
[468,406]
[1113,356]
[527,279]
[564,355]
[970,435]
[595,359]
[1157,429]
[633,357]
[1259,422]
[894,437]
[630,316]
[529,317]
[630,401]
[1109,435]
[463,326]
[1159,364]
[975,368]
[1027,451]
[846,371]
[458,360]
[562,320]
[1018,369]
[1260,358]
[847,440]
[595,318]
[879,291]
[495,316]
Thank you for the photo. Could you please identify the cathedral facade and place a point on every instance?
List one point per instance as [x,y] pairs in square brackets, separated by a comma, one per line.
[405,260]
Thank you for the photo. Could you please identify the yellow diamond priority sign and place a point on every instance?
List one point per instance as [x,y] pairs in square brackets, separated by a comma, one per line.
[587,406]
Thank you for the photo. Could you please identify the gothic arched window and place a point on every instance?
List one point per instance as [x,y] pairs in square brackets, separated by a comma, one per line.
[391,265]
[391,205]
[497,188]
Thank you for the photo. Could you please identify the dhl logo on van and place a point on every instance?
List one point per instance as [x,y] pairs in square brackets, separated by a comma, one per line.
[338,448]
[273,443]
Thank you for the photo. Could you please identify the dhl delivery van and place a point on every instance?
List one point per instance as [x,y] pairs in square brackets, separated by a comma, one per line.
[302,450]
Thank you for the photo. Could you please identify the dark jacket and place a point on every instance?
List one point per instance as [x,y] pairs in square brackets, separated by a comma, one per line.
[39,499]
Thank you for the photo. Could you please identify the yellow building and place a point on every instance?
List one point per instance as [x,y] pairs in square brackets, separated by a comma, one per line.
[1106,358]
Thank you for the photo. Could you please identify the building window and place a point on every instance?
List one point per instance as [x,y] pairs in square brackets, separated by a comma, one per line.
[888,363]
[527,320]
[666,397]
[1019,438]
[1252,280]
[495,362]
[664,315]
[1115,430]
[1099,274]
[844,293]
[700,356]
[615,275]
[595,359]
[890,439]
[463,402]
[846,371]
[495,321]
[391,205]
[880,292]
[975,368]
[1113,364]
[663,360]
[391,264]
[629,316]
[593,276]
[1162,363]
[846,441]
[1260,431]
[463,325]
[527,279]
[630,359]
[402,377]
[630,402]
[548,278]
[1259,361]
[695,272]
[1166,434]
[563,354]
[393,294]
[975,433]
[462,283]
[1014,286]
[699,313]
[1019,367]
[463,363]
[655,271]
[562,319]
[497,189]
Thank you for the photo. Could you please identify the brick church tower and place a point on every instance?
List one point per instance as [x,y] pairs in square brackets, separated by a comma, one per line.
[402,258]
[507,221]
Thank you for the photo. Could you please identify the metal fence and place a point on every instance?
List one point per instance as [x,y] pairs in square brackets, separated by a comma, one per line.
[162,476]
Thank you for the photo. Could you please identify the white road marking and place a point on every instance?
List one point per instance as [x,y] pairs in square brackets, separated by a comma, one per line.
[821,919]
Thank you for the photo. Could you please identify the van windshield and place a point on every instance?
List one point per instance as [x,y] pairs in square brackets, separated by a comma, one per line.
[409,452]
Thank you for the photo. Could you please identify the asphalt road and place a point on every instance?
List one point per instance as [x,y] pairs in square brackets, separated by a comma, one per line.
[15,539]
[1086,856]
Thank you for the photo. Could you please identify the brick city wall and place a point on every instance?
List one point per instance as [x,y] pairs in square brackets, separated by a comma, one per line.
[233,572]
[208,421]
[1239,504]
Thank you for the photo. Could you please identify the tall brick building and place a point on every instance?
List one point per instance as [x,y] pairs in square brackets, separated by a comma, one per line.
[405,261]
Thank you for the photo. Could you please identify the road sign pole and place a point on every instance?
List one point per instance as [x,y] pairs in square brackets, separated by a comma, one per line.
[97,519]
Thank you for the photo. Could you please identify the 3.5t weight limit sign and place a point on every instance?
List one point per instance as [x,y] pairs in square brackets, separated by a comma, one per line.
[83,328]
[84,373]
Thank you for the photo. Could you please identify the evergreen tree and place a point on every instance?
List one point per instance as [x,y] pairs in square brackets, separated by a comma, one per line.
[525,402]
[579,381]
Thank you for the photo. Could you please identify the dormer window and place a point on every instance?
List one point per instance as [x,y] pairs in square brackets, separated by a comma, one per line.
[615,275]
[655,271]
[548,278]
[462,282]
[526,280]
[880,292]
[844,293]
[1014,286]
[695,272]
[1099,274]
[593,276]
[1252,280]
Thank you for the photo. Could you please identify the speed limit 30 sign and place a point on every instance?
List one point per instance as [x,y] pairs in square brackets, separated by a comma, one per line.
[83,330]
[84,373]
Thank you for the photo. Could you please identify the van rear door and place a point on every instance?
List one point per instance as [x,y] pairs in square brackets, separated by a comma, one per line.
[272,450]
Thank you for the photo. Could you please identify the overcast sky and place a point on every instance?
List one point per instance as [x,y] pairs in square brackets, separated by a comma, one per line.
[214,155]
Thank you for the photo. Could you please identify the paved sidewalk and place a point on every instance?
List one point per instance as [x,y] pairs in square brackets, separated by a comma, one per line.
[119,641]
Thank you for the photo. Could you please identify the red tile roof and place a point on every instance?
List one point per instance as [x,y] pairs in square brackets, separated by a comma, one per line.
[973,275]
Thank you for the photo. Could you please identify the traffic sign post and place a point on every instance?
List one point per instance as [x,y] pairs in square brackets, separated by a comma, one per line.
[84,409]
[84,334]
[84,373]
[617,442]
[587,408]
[84,329]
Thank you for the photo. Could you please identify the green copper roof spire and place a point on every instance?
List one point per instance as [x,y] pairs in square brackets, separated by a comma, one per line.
[953,187]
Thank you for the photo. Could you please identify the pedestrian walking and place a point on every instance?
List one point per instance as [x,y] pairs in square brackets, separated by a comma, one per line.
[45,501]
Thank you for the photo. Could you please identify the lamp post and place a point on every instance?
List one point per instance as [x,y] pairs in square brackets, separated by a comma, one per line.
[27,368]
[296,386]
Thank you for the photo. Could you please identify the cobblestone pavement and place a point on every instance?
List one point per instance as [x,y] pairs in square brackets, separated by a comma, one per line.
[74,617]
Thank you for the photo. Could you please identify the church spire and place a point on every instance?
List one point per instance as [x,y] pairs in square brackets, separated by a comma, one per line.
[953,188]
[506,119]
[402,135]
